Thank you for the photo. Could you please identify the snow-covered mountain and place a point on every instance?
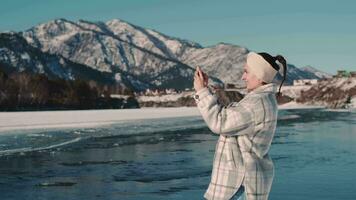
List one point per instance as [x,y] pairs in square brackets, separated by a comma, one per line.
[295,73]
[316,72]
[131,55]
[17,55]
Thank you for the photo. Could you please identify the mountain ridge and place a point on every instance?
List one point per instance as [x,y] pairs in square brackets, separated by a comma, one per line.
[144,58]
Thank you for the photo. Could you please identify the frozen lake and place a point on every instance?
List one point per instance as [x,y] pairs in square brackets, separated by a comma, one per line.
[168,156]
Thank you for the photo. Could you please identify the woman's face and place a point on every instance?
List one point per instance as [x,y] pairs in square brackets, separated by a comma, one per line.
[252,82]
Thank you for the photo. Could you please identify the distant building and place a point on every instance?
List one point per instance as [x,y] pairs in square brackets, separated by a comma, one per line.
[305,82]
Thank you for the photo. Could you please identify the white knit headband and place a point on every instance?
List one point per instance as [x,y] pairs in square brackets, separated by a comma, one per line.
[258,66]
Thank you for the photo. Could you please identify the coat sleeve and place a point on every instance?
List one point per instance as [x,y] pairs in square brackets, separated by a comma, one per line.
[232,120]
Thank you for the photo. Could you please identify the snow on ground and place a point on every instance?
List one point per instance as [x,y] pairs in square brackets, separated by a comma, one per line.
[91,118]
[87,118]
[344,83]
[294,91]
[348,84]
[119,96]
[295,105]
[353,101]
[164,98]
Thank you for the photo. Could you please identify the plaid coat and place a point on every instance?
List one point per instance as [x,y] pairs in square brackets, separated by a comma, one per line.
[246,130]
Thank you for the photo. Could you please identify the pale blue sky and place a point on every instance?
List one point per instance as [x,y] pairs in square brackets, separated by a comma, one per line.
[318,33]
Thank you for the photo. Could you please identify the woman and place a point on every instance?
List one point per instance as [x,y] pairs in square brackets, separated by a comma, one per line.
[242,167]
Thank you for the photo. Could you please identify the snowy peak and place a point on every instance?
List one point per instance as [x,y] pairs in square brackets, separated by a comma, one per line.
[53,29]
[316,72]
[150,39]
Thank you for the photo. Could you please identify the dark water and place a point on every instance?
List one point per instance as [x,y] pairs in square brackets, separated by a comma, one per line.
[313,152]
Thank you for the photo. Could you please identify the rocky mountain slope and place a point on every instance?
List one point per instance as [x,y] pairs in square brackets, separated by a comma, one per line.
[118,52]
[332,93]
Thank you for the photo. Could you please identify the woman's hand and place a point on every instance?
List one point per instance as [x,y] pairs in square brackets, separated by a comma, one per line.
[200,79]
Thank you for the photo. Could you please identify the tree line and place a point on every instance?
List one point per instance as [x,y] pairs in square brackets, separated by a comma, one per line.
[20,91]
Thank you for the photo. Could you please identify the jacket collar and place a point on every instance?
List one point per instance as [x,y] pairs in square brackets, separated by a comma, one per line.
[268,88]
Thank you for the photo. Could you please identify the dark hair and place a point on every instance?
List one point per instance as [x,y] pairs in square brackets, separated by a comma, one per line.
[272,61]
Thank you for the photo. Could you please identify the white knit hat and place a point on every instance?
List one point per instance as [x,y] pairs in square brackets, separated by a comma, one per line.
[260,67]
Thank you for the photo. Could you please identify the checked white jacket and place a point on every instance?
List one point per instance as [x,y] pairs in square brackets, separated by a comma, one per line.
[246,131]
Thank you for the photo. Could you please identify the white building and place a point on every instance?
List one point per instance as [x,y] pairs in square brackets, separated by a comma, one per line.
[305,82]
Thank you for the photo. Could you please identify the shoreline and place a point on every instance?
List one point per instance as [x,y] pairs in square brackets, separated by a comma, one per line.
[12,121]
[34,120]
